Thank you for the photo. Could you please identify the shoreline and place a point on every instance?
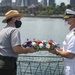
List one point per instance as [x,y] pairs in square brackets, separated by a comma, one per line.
[40,16]
[45,16]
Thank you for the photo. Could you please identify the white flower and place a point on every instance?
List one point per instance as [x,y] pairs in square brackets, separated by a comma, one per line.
[41,45]
[47,46]
[33,43]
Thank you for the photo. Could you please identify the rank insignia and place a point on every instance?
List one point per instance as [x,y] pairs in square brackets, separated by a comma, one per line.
[74,32]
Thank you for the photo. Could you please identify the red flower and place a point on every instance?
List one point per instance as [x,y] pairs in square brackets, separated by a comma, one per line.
[39,42]
[51,42]
[29,42]
[35,41]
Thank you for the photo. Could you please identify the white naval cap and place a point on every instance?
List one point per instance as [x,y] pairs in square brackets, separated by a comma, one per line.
[69,13]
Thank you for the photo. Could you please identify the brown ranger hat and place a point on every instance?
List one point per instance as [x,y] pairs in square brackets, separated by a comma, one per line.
[12,13]
[69,14]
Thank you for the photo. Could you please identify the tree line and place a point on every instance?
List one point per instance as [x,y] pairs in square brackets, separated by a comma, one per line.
[55,9]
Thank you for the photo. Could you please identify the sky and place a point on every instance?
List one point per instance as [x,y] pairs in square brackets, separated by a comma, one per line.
[13,0]
[60,1]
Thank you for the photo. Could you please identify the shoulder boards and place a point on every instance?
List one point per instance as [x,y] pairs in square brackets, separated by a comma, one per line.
[74,32]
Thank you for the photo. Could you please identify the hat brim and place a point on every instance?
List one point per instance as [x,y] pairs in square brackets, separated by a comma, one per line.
[17,15]
[69,16]
[65,17]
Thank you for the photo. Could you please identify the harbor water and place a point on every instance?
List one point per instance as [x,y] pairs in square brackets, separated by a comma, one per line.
[41,29]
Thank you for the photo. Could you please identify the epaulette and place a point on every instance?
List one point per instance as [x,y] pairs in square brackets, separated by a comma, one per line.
[74,32]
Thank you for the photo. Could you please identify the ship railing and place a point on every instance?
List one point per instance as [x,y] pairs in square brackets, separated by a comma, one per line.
[40,65]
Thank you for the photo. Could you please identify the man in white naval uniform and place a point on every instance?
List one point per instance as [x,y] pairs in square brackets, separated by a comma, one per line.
[68,50]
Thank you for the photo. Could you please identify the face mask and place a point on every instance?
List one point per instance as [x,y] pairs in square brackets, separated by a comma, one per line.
[18,23]
[66,24]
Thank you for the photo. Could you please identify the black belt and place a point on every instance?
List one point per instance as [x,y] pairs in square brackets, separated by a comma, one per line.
[8,58]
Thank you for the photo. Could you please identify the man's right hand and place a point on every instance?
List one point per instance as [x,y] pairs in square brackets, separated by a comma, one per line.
[31,50]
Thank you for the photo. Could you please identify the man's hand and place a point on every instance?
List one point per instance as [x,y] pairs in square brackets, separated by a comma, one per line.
[31,50]
[52,51]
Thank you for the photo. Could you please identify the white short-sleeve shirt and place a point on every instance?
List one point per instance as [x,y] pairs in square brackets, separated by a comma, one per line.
[69,42]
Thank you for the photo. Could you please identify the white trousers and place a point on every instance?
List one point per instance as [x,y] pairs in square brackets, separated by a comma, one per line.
[69,67]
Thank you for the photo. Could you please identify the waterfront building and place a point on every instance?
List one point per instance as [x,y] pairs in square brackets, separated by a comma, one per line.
[13,4]
[6,2]
[72,2]
[51,2]
[22,3]
[26,2]
[34,2]
[47,2]
[18,3]
[44,2]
